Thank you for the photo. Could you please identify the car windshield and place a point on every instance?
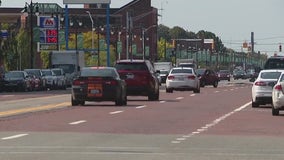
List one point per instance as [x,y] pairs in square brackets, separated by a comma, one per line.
[181,71]
[47,72]
[164,72]
[131,66]
[224,71]
[274,63]
[57,72]
[14,75]
[270,75]
[33,72]
[200,71]
[89,72]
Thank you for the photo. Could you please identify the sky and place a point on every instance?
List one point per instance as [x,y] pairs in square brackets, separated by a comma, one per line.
[231,20]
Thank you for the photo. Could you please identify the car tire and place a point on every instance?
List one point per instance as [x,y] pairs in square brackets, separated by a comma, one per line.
[275,112]
[74,102]
[197,90]
[215,85]
[154,96]
[119,101]
[202,84]
[254,104]
[82,103]
[169,90]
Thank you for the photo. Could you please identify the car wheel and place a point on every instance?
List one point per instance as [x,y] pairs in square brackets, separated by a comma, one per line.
[74,102]
[154,96]
[275,112]
[202,84]
[119,101]
[197,90]
[215,85]
[82,103]
[254,104]
[169,90]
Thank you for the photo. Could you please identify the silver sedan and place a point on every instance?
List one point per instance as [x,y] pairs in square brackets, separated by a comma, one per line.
[182,79]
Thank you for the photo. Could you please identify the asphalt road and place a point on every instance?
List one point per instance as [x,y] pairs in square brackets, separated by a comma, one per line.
[216,124]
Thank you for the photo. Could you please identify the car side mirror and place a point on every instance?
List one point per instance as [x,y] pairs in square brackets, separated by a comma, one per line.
[252,79]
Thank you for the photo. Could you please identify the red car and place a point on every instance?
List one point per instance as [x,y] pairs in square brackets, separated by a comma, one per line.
[224,75]
[140,77]
[207,77]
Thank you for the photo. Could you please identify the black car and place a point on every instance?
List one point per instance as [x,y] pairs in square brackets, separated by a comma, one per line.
[17,81]
[140,77]
[99,84]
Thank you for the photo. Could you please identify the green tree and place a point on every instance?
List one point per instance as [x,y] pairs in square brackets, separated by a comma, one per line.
[23,48]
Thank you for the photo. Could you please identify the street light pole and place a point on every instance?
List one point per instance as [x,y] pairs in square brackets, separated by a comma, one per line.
[91,18]
[143,38]
[31,7]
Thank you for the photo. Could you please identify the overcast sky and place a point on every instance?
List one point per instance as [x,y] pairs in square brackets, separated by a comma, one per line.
[231,20]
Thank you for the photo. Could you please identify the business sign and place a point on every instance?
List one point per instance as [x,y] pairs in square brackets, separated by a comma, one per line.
[86,1]
[4,34]
[48,37]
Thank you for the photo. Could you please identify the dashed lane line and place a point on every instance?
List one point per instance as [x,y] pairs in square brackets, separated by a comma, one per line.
[14,137]
[78,122]
[116,112]
[140,107]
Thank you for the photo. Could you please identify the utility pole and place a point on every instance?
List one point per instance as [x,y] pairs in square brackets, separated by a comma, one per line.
[252,42]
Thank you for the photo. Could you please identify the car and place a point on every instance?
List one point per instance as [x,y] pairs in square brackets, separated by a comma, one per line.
[224,75]
[17,81]
[140,77]
[263,85]
[182,79]
[278,96]
[164,74]
[39,75]
[239,74]
[274,62]
[35,82]
[99,84]
[61,78]
[51,79]
[207,77]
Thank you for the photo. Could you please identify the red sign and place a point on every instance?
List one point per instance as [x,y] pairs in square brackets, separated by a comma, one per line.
[51,33]
[51,39]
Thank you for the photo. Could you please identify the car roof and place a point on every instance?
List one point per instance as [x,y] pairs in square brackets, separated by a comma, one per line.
[272,70]
[131,61]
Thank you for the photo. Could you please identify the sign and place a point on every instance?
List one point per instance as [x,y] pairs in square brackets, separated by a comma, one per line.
[147,51]
[48,22]
[48,32]
[119,47]
[102,45]
[4,34]
[86,1]
[47,46]
[134,49]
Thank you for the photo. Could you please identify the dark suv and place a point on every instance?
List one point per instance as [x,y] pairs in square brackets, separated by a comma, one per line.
[140,77]
[276,62]
[207,77]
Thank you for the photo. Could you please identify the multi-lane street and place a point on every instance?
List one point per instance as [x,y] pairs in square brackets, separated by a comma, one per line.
[216,124]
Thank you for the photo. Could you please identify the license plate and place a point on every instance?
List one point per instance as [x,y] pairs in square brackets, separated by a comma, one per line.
[180,78]
[95,91]
[129,76]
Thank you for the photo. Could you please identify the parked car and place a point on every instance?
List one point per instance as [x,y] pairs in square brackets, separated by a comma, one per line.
[17,81]
[207,77]
[61,78]
[51,79]
[39,75]
[263,85]
[99,84]
[182,79]
[278,96]
[140,77]
[224,75]
[35,82]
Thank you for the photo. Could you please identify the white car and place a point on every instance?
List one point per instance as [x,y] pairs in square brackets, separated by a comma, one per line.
[278,96]
[61,78]
[181,79]
[262,87]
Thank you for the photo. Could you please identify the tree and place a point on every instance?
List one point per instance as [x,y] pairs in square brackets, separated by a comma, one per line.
[178,33]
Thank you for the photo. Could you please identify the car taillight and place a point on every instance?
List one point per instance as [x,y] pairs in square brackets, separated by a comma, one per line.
[278,87]
[171,77]
[79,82]
[191,77]
[113,83]
[260,83]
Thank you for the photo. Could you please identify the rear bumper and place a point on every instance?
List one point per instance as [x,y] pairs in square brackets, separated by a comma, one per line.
[81,94]
[139,90]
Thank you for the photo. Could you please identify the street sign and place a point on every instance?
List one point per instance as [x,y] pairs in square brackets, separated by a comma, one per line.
[147,51]
[80,40]
[119,47]
[134,49]
[102,45]
[4,34]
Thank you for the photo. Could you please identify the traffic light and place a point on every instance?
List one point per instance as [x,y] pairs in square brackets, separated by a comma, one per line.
[280,48]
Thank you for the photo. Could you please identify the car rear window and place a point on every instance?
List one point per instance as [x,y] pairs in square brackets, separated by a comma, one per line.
[182,71]
[270,75]
[88,72]
[131,66]
[274,63]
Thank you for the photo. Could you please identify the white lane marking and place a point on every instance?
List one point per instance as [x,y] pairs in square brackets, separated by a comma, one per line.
[77,122]
[139,107]
[175,142]
[232,89]
[162,101]
[115,112]
[217,91]
[180,98]
[6,96]
[212,124]
[193,95]
[15,136]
